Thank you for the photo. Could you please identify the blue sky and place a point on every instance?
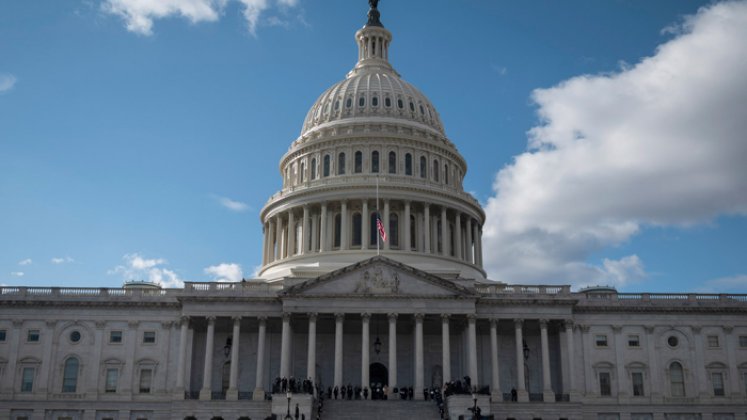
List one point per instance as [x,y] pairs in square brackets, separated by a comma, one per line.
[139,139]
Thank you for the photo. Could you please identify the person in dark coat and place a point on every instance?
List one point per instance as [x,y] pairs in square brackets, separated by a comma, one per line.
[336,391]
[365,393]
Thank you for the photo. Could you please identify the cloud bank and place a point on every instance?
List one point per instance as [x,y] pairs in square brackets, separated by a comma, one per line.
[233,205]
[139,15]
[225,272]
[7,81]
[138,268]
[658,143]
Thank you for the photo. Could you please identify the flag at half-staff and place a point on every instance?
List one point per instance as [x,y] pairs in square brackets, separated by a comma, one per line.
[380,227]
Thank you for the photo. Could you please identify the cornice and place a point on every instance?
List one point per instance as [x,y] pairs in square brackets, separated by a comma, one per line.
[104,303]
[659,309]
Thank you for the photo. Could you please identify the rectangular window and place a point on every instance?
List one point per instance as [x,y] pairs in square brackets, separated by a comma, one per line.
[32,336]
[2,335]
[27,379]
[637,378]
[605,384]
[112,377]
[718,383]
[115,336]
[600,340]
[743,341]
[712,341]
[146,378]
[149,337]
[634,341]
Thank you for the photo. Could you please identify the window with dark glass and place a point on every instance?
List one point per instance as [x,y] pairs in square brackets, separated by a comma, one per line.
[70,375]
[413,237]
[349,103]
[637,379]
[115,336]
[32,336]
[75,336]
[357,232]
[146,379]
[400,104]
[717,378]
[375,101]
[313,168]
[422,111]
[149,337]
[341,164]
[361,101]
[743,341]
[412,106]
[392,163]
[387,102]
[338,230]
[435,170]
[605,384]
[2,335]
[712,341]
[375,162]
[393,234]
[408,164]
[446,173]
[423,167]
[634,341]
[600,340]
[373,236]
[358,162]
[112,377]
[337,105]
[303,172]
[27,379]
[325,166]
[677,379]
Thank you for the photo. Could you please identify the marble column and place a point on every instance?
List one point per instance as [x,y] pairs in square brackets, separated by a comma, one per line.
[458,236]
[265,236]
[570,341]
[323,229]
[259,387]
[271,241]
[446,348]
[278,238]
[495,387]
[392,351]
[339,318]
[386,225]
[314,246]
[179,391]
[445,242]
[311,351]
[285,347]
[472,348]
[522,393]
[478,244]
[418,389]
[207,376]
[233,380]
[427,228]
[653,362]
[468,230]
[291,234]
[732,343]
[407,244]
[343,225]
[547,391]
[365,225]
[365,381]
[305,230]
[624,390]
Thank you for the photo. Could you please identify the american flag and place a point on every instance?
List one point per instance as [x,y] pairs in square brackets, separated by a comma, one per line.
[380,226]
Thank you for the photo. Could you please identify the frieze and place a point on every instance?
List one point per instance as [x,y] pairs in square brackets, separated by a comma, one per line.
[375,281]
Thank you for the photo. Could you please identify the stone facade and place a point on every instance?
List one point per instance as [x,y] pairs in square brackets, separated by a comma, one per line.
[336,304]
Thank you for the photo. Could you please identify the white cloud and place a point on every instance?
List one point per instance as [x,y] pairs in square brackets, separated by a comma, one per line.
[731,284]
[660,142]
[17,273]
[139,15]
[61,260]
[138,268]
[225,272]
[27,261]
[233,205]
[7,81]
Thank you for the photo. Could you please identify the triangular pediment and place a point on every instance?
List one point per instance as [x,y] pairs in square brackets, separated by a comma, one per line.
[378,276]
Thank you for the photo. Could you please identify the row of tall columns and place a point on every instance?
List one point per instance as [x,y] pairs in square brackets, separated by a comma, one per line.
[281,239]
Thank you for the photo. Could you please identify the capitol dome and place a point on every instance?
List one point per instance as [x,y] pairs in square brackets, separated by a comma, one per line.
[372,152]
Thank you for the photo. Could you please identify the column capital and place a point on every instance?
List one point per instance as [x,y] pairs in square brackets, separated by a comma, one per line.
[365,316]
[568,324]
[649,328]
[339,316]
[184,319]
[616,328]
[494,322]
[286,316]
[17,322]
[167,324]
[392,316]
[471,317]
[543,323]
[133,323]
[445,317]
[728,328]
[518,323]
[236,319]
[50,323]
[419,317]
[305,206]
[585,327]
[210,319]
[312,316]
[695,329]
[262,319]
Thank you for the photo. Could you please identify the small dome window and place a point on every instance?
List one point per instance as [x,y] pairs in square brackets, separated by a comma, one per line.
[387,102]
[412,106]
[672,341]
[400,104]
[337,105]
[349,103]
[75,336]
[362,101]
[375,101]
[422,111]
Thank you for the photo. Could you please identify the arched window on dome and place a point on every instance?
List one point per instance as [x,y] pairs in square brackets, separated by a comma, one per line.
[435,170]
[348,102]
[375,162]
[341,164]
[408,164]
[313,169]
[375,101]
[70,375]
[446,173]
[393,234]
[338,230]
[357,229]
[423,167]
[388,102]
[413,237]
[422,110]
[412,106]
[400,103]
[302,173]
[337,105]
[373,231]
[392,162]
[677,379]
[362,101]
[358,162]
[325,166]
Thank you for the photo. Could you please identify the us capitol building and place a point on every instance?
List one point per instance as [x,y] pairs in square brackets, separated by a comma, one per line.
[336,304]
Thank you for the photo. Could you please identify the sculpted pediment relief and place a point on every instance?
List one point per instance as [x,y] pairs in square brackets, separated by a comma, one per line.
[378,276]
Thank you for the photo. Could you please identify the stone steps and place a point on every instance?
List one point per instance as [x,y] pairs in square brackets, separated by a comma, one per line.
[379,410]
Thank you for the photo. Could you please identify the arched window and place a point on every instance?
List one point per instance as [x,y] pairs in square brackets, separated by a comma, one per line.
[325,166]
[70,375]
[392,163]
[375,162]
[400,104]
[435,170]
[677,379]
[341,164]
[361,101]
[358,162]
[302,175]
[446,173]
[413,237]
[393,234]
[349,103]
[338,230]
[423,167]
[408,164]
[373,231]
[357,232]
[313,168]
[387,102]
[375,101]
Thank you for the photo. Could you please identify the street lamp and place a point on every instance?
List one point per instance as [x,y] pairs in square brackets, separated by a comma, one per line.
[288,415]
[474,407]
[227,347]
[377,345]
[526,351]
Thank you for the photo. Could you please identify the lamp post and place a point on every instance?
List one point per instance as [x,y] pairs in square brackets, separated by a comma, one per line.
[227,347]
[288,415]
[474,407]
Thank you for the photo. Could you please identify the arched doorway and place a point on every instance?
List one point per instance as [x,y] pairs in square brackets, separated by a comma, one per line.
[378,375]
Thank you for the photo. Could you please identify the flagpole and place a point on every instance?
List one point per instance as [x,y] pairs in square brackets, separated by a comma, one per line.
[377,215]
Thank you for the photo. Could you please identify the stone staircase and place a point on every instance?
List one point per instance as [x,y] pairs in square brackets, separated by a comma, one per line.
[379,410]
